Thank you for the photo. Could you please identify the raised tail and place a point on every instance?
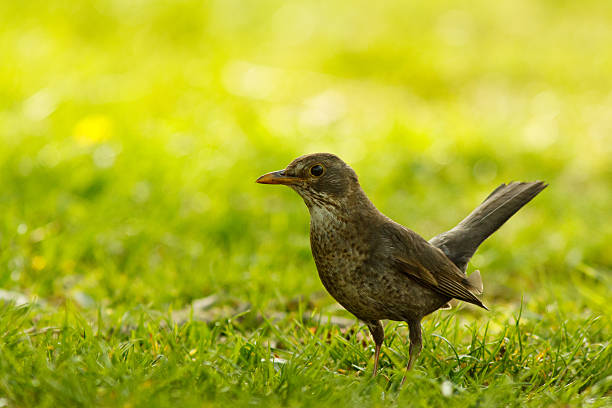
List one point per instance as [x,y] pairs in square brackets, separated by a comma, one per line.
[460,243]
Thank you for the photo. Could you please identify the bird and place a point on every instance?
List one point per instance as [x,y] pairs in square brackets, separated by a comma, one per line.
[378,269]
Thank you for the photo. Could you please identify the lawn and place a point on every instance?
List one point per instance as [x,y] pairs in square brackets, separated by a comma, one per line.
[140,264]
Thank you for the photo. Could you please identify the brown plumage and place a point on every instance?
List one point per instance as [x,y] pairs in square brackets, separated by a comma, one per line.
[378,269]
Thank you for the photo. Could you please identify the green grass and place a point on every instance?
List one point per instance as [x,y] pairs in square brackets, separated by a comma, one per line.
[142,358]
[131,134]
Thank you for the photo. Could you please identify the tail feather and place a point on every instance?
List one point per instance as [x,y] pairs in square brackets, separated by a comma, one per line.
[460,243]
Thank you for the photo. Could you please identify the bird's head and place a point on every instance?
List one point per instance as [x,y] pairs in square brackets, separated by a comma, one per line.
[319,178]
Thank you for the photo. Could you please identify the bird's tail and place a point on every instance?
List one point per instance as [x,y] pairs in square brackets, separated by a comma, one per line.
[460,243]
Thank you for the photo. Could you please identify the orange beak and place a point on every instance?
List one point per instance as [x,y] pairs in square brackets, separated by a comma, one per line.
[278,177]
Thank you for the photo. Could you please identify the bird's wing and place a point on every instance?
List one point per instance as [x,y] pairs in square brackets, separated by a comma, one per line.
[427,265]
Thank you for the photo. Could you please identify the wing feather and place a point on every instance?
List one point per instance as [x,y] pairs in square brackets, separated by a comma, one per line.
[427,265]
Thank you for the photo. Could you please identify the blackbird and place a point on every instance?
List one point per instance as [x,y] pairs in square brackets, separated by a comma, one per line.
[378,269]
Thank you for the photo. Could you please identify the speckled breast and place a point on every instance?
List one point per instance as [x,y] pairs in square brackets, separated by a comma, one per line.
[340,254]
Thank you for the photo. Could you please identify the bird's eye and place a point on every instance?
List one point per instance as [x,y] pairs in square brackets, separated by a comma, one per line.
[316,170]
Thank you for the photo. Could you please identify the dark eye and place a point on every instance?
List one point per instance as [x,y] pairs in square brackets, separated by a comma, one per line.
[316,170]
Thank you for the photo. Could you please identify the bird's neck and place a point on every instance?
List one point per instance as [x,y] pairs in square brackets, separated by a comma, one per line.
[352,212]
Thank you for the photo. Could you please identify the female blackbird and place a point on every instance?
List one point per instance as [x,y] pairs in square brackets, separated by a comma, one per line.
[378,269]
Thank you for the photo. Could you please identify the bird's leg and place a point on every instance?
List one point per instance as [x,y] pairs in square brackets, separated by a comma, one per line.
[415,344]
[378,334]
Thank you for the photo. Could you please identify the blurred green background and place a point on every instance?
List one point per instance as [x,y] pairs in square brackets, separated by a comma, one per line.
[132,132]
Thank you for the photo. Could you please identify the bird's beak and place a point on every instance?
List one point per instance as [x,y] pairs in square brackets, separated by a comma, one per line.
[278,177]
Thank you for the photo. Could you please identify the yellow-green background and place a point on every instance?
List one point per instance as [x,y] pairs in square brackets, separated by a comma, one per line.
[131,133]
